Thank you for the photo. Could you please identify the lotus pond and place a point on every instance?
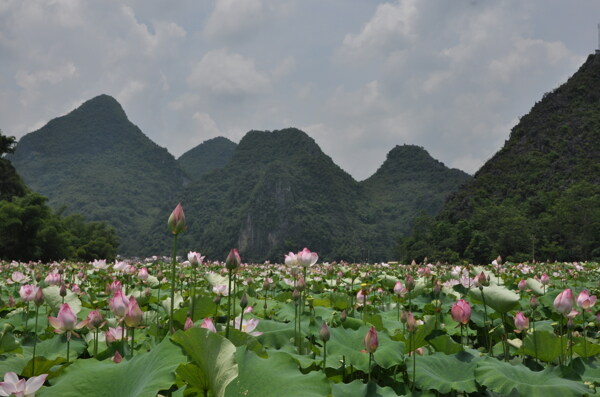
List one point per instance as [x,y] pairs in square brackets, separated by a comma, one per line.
[193,327]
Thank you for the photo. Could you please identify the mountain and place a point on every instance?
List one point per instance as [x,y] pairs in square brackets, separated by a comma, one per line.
[409,182]
[280,192]
[95,162]
[209,155]
[539,196]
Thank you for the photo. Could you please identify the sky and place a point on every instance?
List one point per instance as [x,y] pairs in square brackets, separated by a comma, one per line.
[359,76]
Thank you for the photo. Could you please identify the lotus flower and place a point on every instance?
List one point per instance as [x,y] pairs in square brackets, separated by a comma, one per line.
[52,279]
[188,324]
[521,322]
[66,321]
[411,322]
[195,258]
[114,334]
[143,274]
[248,326]
[371,341]
[585,301]
[233,260]
[94,320]
[28,292]
[522,285]
[134,315]
[100,264]
[12,385]
[291,259]
[221,290]
[208,324]
[176,222]
[563,303]
[399,289]
[324,333]
[461,311]
[307,258]
[118,304]
[545,280]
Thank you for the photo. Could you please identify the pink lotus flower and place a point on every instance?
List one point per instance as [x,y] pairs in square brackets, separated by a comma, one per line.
[28,292]
[291,259]
[461,311]
[521,322]
[411,322]
[307,258]
[248,326]
[221,290]
[563,303]
[114,334]
[399,289]
[545,280]
[176,222]
[188,324]
[100,264]
[115,286]
[94,320]
[118,304]
[371,341]
[52,279]
[585,301]
[233,260]
[522,285]
[143,274]
[117,358]
[17,278]
[12,385]
[134,315]
[195,258]
[208,324]
[66,321]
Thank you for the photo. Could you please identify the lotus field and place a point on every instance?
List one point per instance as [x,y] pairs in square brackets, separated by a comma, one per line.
[193,327]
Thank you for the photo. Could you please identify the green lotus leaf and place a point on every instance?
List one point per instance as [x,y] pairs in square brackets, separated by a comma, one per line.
[548,346]
[585,348]
[54,300]
[142,376]
[277,375]
[359,389]
[214,356]
[505,379]
[56,347]
[445,344]
[535,286]
[497,297]
[445,373]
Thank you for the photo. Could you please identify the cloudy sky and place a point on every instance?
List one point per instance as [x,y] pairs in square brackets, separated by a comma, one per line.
[359,76]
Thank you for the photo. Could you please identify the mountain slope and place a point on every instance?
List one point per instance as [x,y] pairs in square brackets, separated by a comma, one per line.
[409,182]
[517,203]
[94,161]
[209,155]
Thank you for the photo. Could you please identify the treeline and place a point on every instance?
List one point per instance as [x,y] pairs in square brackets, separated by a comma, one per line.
[31,230]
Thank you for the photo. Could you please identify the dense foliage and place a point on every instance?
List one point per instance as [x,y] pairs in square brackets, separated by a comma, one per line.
[94,162]
[209,155]
[280,190]
[10,182]
[302,329]
[538,196]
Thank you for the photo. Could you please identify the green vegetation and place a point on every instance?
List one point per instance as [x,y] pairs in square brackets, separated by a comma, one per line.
[209,155]
[538,197]
[280,192]
[94,162]
[10,182]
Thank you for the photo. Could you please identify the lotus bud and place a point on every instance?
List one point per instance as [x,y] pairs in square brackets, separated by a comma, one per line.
[39,297]
[563,303]
[117,358]
[244,301]
[188,324]
[233,260]
[534,303]
[176,222]
[324,332]
[403,317]
[585,301]
[545,280]
[371,341]
[409,282]
[134,315]
[295,295]
[522,285]
[343,316]
[521,322]
[301,285]
[63,291]
[461,311]
[411,323]
[437,288]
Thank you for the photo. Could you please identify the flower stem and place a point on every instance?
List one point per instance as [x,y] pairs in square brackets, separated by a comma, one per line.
[324,355]
[370,360]
[37,309]
[228,306]
[173,283]
[132,340]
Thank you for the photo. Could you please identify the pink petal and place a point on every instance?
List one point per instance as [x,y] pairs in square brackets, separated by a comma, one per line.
[34,383]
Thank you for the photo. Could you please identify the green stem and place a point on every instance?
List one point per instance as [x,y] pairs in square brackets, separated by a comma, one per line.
[583,332]
[534,338]
[96,343]
[68,345]
[561,358]
[370,360]
[324,355]
[414,356]
[37,309]
[229,292]
[132,340]
[193,300]
[173,283]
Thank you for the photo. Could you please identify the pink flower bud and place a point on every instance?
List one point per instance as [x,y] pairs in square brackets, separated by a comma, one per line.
[521,322]
[461,311]
[585,301]
[208,324]
[411,322]
[134,315]
[324,332]
[563,303]
[143,274]
[371,341]
[188,324]
[233,260]
[117,358]
[522,285]
[118,304]
[176,222]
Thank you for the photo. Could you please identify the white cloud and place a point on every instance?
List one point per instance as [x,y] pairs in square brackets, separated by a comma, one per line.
[228,74]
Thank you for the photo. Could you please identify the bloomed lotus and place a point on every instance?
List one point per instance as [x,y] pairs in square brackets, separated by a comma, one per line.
[248,326]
